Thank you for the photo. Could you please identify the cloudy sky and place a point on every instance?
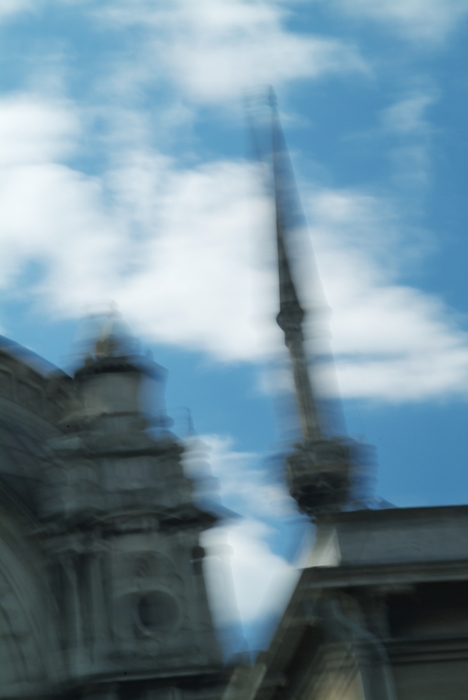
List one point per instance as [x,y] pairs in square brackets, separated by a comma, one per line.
[126,174]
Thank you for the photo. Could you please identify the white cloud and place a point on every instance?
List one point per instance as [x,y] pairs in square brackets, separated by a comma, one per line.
[144,230]
[214,50]
[246,580]
[52,215]
[11,7]
[35,130]
[188,256]
[426,20]
[200,262]
[390,341]
[407,116]
[247,482]
[263,582]
[407,123]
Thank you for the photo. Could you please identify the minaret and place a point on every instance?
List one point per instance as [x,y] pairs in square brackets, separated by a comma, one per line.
[319,469]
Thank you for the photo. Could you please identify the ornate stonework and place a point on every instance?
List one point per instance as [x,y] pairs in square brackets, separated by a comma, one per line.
[101,594]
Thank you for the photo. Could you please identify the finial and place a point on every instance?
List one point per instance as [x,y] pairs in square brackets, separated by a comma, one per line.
[106,344]
[115,337]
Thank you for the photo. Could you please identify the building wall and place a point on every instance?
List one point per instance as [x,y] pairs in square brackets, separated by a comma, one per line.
[29,648]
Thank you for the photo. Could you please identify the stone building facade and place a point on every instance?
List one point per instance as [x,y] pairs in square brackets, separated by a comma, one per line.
[102,592]
[380,613]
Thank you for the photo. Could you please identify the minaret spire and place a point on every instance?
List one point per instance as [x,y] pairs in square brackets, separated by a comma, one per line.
[319,469]
[291,314]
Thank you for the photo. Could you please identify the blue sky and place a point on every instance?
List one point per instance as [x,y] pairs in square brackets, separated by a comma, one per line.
[126,175]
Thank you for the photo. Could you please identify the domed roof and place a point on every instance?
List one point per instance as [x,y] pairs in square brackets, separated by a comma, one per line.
[29,381]
[22,451]
[32,395]
[21,447]
[27,357]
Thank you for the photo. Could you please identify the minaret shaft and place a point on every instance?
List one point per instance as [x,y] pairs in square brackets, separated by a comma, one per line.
[318,470]
[291,314]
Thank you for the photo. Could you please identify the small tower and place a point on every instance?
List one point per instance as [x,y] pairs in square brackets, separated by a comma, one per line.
[319,469]
[123,535]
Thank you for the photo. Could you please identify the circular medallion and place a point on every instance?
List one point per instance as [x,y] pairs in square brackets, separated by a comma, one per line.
[158,612]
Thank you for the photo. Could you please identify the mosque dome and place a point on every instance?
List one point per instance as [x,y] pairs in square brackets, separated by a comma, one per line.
[32,398]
